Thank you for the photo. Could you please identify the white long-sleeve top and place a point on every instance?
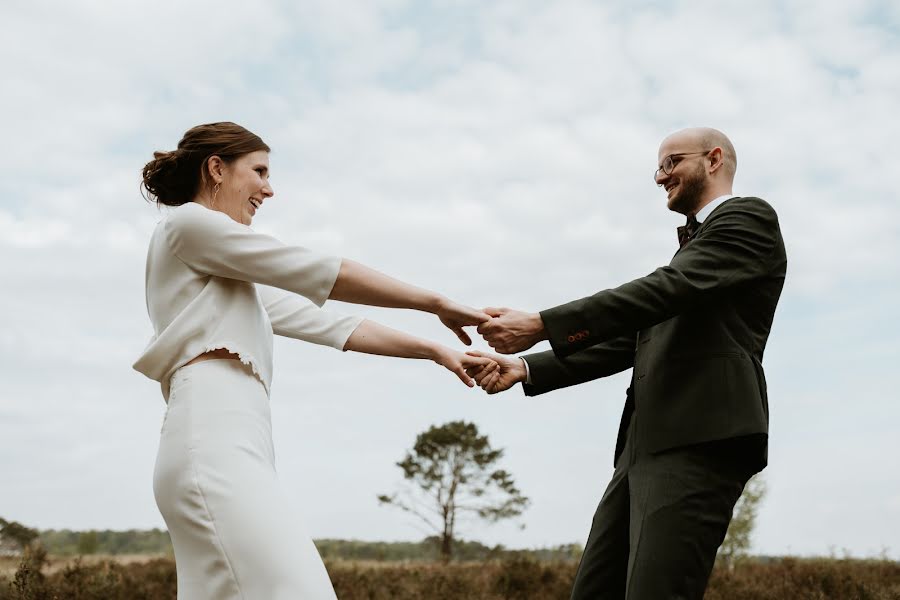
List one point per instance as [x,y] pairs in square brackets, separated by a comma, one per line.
[214,283]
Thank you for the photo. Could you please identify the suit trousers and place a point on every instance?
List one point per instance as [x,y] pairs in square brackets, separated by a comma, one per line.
[660,522]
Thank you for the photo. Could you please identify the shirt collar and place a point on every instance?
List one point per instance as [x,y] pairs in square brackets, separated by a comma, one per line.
[704,212]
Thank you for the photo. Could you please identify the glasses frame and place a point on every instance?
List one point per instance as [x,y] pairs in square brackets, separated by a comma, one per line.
[670,159]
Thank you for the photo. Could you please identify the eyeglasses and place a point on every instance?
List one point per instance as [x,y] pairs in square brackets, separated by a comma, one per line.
[669,162]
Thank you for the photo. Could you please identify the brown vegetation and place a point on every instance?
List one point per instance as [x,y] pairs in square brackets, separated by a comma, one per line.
[511,579]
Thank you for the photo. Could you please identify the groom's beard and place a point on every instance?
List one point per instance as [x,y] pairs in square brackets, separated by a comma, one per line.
[692,187]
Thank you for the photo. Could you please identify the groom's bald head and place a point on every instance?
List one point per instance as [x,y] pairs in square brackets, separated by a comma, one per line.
[708,138]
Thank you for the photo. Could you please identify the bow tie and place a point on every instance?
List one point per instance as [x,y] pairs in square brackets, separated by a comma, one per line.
[687,231]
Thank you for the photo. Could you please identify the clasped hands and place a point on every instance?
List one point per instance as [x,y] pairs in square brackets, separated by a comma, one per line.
[505,330]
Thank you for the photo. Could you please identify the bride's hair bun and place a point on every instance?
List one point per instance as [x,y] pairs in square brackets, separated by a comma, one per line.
[175,177]
[165,179]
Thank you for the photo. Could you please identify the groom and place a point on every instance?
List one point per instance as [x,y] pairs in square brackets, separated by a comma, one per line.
[695,424]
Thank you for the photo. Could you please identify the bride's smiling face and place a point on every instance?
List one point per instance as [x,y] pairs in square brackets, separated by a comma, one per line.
[243,185]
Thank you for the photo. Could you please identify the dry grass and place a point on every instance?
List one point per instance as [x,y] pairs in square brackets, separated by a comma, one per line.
[141,577]
[54,564]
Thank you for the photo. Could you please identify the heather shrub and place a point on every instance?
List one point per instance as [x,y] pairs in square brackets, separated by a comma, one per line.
[515,578]
[525,578]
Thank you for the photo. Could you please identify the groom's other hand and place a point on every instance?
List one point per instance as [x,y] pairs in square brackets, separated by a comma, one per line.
[510,331]
[509,371]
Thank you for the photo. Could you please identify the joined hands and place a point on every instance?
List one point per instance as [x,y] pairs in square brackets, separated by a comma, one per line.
[510,331]
[505,330]
[503,373]
[466,365]
[456,316]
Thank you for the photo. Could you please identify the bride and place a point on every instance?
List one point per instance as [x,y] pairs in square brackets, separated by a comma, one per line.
[216,292]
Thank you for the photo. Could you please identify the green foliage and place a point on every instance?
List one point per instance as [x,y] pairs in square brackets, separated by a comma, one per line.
[451,471]
[18,533]
[65,542]
[428,550]
[736,544]
[87,542]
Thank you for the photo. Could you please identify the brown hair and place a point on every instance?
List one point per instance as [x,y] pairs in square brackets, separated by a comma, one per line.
[174,178]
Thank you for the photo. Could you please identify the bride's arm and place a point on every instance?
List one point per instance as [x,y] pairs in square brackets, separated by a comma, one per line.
[373,338]
[294,316]
[360,284]
[211,242]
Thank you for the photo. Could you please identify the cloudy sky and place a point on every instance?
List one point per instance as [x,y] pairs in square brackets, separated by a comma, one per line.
[499,152]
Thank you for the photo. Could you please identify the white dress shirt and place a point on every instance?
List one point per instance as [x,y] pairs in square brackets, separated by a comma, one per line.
[706,210]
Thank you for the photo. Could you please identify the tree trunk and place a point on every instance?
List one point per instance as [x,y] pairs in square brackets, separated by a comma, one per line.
[446,547]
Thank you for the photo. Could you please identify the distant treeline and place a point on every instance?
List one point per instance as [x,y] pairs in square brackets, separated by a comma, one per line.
[428,550]
[64,542]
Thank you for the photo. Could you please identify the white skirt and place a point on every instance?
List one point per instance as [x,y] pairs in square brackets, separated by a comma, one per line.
[234,533]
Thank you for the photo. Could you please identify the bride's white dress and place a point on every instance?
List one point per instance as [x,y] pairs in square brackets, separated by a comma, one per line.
[213,283]
[235,534]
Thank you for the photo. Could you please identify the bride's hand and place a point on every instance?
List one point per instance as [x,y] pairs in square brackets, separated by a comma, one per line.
[456,316]
[510,371]
[459,363]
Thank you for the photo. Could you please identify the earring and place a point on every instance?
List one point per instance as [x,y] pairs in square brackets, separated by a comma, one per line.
[215,193]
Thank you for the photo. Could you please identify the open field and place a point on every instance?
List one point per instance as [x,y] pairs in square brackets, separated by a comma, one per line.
[142,577]
[54,564]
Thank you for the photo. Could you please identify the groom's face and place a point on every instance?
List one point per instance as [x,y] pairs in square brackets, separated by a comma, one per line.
[687,179]
[691,183]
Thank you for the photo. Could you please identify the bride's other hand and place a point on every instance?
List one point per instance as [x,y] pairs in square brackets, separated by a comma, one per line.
[510,370]
[373,338]
[461,364]
[456,316]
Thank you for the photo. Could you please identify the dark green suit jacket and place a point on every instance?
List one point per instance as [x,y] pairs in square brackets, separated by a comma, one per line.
[693,331]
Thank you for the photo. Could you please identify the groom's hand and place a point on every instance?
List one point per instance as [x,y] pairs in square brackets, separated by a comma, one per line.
[510,331]
[509,371]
